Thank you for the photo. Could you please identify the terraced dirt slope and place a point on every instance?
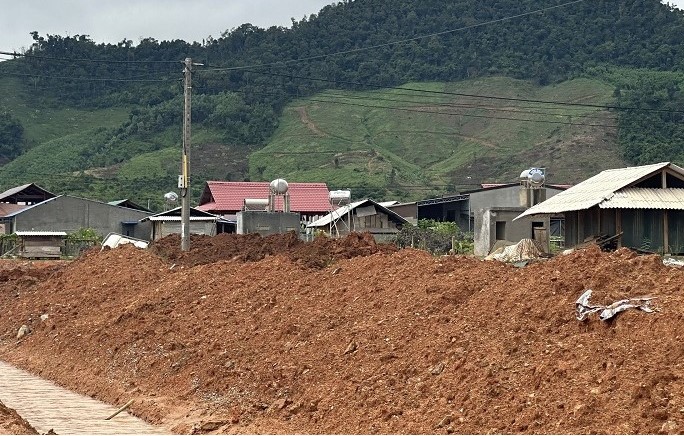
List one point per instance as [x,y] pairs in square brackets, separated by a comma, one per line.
[239,336]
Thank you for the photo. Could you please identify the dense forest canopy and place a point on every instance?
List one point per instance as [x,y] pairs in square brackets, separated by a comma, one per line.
[249,74]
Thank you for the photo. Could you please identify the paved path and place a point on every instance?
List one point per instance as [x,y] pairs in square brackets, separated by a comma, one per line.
[47,406]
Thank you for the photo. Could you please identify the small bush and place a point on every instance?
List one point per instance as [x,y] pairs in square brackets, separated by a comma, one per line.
[437,237]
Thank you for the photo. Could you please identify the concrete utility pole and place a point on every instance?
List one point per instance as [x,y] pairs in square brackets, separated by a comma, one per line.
[184,182]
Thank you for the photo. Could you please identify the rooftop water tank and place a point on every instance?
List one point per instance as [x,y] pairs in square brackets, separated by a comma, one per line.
[340,197]
[278,187]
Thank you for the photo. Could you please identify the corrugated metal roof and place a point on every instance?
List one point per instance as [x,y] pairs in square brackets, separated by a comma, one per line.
[14,190]
[388,203]
[128,203]
[29,186]
[40,233]
[596,189]
[225,197]
[336,214]
[175,215]
[10,208]
[645,198]
[15,213]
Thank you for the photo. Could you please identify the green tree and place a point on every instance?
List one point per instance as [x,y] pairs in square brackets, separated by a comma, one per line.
[11,137]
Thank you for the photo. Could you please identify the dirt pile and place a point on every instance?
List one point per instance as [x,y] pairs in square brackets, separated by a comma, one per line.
[253,247]
[389,342]
[12,423]
[18,276]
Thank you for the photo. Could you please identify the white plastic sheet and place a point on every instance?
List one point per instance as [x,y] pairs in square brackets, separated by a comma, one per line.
[583,308]
[113,240]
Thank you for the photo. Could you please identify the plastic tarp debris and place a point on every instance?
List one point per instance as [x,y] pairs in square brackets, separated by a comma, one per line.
[113,240]
[526,249]
[673,262]
[583,308]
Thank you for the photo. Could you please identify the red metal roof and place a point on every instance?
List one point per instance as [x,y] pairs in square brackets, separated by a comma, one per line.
[228,197]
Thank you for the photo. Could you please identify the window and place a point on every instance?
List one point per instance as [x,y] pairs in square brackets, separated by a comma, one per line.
[128,228]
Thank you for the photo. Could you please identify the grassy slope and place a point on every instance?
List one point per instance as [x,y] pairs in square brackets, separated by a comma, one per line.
[377,138]
[44,121]
[62,142]
[389,141]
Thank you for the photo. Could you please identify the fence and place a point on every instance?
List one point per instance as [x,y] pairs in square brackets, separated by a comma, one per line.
[7,245]
[76,247]
[71,247]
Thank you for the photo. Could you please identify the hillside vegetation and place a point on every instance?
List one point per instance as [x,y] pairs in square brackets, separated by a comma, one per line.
[392,143]
[113,129]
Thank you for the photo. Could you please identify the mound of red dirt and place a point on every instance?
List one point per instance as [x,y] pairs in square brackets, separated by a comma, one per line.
[17,276]
[385,342]
[12,423]
[253,247]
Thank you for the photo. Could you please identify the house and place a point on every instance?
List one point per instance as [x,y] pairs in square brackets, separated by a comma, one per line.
[361,216]
[489,212]
[640,207]
[21,197]
[310,200]
[201,223]
[462,208]
[494,208]
[65,213]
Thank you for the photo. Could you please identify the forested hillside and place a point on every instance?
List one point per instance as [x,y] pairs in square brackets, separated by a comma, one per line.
[632,50]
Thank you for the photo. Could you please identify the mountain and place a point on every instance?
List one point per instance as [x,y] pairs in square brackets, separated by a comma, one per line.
[406,119]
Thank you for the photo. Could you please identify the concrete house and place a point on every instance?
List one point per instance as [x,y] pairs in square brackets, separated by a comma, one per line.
[65,213]
[488,212]
[640,207]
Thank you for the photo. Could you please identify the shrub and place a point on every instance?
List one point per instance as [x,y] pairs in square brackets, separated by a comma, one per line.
[437,237]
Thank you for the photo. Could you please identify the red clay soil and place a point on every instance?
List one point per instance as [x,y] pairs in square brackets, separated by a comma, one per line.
[252,247]
[381,342]
[12,423]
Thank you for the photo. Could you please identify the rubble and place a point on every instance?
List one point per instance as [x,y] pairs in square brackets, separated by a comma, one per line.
[23,331]
[525,249]
[447,344]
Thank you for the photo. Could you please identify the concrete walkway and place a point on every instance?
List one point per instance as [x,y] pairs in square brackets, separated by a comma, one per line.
[47,406]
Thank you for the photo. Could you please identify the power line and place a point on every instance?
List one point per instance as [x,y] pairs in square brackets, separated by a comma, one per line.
[92,79]
[469,106]
[455,106]
[104,61]
[513,109]
[458,113]
[402,41]
[465,115]
[56,177]
[459,94]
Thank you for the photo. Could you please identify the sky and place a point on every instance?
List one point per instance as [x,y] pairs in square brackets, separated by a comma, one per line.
[111,21]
